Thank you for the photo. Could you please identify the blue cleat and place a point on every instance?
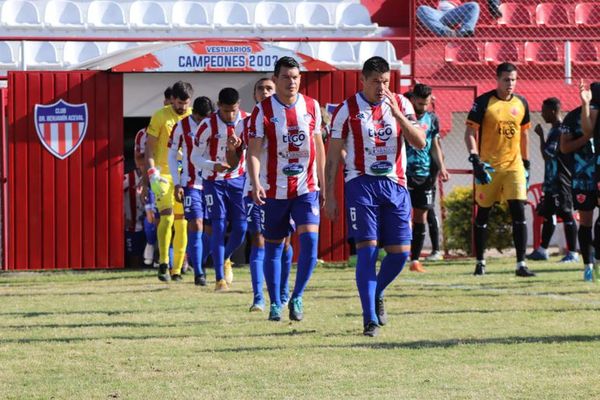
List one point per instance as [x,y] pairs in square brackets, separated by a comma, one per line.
[588,274]
[571,257]
[538,255]
[275,313]
[296,309]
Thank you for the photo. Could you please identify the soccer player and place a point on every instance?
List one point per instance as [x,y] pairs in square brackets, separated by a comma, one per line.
[286,159]
[498,146]
[135,238]
[557,199]
[162,123]
[577,139]
[420,181]
[372,126]
[223,184]
[188,184]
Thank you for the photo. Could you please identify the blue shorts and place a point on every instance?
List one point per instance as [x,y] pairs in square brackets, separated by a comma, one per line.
[225,199]
[378,208]
[193,204]
[253,215]
[304,210]
[135,243]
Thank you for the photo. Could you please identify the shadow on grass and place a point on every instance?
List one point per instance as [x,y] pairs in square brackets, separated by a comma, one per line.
[34,314]
[105,325]
[99,292]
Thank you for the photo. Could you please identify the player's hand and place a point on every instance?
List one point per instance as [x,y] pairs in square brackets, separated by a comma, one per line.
[150,216]
[331,208]
[584,93]
[222,167]
[233,143]
[481,170]
[527,166]
[539,130]
[323,198]
[258,194]
[179,193]
[391,99]
[444,175]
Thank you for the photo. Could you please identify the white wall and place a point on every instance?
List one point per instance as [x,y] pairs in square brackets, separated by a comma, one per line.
[143,92]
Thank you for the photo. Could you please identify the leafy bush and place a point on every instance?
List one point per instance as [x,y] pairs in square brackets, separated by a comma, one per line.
[458,224]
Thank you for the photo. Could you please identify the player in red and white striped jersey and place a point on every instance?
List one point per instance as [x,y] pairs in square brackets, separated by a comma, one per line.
[223,184]
[372,126]
[188,183]
[135,239]
[285,164]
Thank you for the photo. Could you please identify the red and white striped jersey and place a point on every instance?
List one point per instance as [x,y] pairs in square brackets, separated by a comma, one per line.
[210,147]
[134,203]
[288,161]
[373,137]
[241,131]
[182,138]
[140,142]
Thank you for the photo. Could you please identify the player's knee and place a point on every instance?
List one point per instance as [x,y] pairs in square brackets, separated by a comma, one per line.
[308,228]
[366,243]
[257,240]
[195,225]
[517,211]
[482,217]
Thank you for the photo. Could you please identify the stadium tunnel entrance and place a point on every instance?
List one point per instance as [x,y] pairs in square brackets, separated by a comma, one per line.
[69,141]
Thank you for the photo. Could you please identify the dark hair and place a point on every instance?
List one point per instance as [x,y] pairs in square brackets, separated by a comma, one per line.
[287,62]
[182,90]
[505,67]
[409,95]
[259,81]
[203,106]
[229,96]
[422,91]
[375,64]
[168,93]
[552,103]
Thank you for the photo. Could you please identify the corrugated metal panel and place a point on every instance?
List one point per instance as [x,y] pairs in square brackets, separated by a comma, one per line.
[65,214]
[3,179]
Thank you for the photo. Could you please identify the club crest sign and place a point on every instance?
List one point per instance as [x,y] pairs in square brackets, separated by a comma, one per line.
[61,126]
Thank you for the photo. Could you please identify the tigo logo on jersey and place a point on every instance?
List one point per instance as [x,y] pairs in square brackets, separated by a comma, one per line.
[295,138]
[61,126]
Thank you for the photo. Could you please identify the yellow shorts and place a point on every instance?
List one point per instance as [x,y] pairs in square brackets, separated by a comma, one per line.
[167,200]
[505,185]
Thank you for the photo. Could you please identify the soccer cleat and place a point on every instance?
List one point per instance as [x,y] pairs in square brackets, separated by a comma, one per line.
[296,309]
[176,278]
[416,266]
[380,311]
[221,286]
[371,329]
[524,272]
[257,307]
[275,313]
[435,256]
[228,271]
[163,273]
[200,280]
[538,255]
[479,269]
[571,257]
[588,274]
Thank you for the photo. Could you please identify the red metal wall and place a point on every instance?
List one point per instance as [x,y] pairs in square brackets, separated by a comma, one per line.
[65,214]
[3,178]
[335,87]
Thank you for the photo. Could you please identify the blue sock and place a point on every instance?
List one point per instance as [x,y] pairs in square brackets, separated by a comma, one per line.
[272,268]
[286,267]
[171,257]
[236,237]
[195,252]
[205,246]
[307,259]
[391,266]
[366,281]
[257,259]
[150,231]
[217,246]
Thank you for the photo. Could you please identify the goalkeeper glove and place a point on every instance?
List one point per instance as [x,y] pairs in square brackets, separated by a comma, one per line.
[527,166]
[481,170]
[157,182]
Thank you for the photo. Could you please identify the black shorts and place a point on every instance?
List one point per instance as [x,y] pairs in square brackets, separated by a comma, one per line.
[553,203]
[422,191]
[584,200]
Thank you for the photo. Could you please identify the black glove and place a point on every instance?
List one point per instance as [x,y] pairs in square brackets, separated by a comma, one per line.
[527,166]
[481,170]
[494,8]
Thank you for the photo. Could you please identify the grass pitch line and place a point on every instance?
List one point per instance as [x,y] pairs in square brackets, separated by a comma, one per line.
[503,291]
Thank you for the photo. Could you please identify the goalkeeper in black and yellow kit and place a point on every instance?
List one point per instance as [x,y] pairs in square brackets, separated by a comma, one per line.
[171,212]
[500,161]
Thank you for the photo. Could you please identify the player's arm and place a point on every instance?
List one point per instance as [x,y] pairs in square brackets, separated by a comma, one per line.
[540,132]
[436,148]
[334,156]
[199,152]
[474,119]
[589,114]
[471,139]
[525,143]
[568,144]
[320,148]
[413,134]
[235,145]
[254,149]
[174,145]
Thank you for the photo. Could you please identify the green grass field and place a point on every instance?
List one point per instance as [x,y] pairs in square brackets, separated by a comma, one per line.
[125,335]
